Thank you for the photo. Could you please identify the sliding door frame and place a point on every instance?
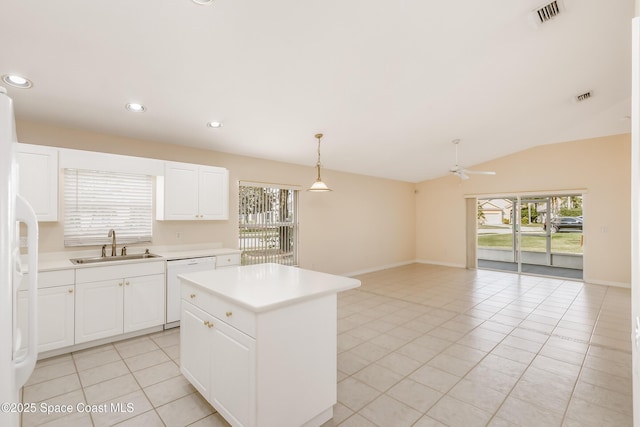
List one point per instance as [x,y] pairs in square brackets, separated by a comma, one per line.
[472,214]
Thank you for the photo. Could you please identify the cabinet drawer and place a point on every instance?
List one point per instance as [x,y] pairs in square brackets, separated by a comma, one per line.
[225,311]
[49,279]
[227,260]
[110,272]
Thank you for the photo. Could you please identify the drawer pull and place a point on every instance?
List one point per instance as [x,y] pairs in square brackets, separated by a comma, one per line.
[192,295]
[229,314]
[208,324]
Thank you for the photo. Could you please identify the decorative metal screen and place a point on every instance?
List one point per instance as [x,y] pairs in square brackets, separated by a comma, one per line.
[268,224]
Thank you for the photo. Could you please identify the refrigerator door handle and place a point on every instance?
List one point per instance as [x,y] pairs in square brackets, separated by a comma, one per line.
[23,366]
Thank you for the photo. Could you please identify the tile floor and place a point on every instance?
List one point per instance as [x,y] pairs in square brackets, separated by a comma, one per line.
[418,345]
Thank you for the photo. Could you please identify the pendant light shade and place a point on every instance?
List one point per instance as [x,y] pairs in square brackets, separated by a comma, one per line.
[319,186]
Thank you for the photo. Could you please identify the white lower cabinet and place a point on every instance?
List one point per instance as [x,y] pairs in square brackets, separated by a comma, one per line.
[267,369]
[233,374]
[195,334]
[55,316]
[99,310]
[131,297]
[144,302]
[219,361]
[55,310]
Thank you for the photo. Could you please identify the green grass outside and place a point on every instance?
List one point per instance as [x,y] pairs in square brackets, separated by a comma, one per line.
[560,242]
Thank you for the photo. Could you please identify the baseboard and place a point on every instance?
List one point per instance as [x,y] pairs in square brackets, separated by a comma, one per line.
[379,268]
[96,343]
[444,264]
[607,283]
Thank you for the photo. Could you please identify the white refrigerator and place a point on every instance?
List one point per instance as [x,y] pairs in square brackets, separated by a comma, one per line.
[18,346]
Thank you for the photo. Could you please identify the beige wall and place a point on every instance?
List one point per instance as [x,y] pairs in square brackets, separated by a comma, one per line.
[600,166]
[364,224]
[368,223]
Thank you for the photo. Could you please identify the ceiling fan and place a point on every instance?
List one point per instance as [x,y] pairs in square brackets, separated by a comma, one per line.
[462,172]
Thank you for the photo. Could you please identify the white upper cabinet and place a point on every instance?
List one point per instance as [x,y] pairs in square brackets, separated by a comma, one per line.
[192,192]
[38,179]
[213,190]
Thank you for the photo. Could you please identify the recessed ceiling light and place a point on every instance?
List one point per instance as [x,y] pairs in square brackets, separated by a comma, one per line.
[17,81]
[202,2]
[136,108]
[214,125]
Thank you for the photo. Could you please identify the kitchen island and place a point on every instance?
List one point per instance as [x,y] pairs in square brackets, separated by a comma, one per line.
[259,342]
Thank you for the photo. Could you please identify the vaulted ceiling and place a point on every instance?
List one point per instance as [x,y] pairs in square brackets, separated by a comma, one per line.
[390,84]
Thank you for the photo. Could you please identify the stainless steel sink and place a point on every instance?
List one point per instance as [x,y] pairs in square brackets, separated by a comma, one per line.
[93,260]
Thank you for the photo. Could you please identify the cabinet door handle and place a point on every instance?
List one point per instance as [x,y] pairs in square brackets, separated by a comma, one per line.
[126,283]
[120,284]
[192,295]
[208,324]
[228,314]
[70,291]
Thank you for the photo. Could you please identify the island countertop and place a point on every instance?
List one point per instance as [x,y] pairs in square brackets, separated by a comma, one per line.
[264,287]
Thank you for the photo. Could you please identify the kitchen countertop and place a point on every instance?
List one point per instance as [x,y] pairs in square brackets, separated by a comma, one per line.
[264,287]
[50,261]
[196,253]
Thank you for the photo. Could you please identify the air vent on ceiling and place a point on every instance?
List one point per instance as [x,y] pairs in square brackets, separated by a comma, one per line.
[583,96]
[547,12]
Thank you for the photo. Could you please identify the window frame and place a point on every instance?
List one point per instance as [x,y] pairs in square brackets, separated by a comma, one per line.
[98,201]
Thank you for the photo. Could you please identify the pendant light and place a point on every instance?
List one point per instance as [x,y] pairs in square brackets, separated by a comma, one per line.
[318,186]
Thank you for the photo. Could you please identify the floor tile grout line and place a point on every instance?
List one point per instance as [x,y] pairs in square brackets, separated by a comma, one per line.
[75,365]
[425,364]
[524,327]
[549,295]
[153,408]
[497,411]
[573,391]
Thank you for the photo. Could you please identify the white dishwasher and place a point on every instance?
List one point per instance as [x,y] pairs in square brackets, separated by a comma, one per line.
[174,268]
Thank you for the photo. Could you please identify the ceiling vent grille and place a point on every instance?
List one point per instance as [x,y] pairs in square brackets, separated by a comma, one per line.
[548,12]
[583,96]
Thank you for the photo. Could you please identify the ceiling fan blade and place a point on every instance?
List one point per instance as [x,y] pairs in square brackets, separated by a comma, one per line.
[459,172]
[462,172]
[479,172]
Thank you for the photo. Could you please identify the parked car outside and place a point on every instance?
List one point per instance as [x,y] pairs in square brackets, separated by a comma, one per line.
[565,223]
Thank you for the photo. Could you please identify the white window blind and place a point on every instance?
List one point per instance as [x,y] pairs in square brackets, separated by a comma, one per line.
[97,201]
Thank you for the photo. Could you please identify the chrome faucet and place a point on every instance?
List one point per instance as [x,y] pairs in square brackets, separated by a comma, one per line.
[112,234]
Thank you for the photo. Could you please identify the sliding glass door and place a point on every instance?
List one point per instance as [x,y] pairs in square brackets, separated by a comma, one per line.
[540,235]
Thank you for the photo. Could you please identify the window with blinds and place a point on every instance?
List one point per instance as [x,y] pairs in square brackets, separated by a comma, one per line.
[268,223]
[97,201]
